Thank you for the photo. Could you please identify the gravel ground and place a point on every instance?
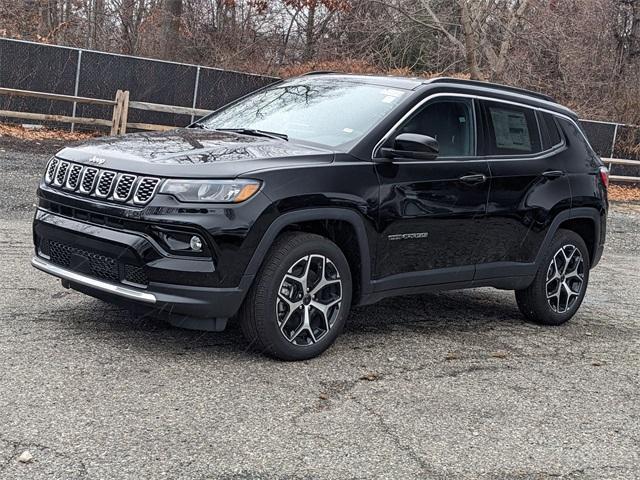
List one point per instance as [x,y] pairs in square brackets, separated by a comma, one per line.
[453,385]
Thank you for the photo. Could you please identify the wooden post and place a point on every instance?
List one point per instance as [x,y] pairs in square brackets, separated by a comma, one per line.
[124,113]
[117,109]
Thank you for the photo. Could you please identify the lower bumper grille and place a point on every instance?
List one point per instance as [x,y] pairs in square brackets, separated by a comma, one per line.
[95,264]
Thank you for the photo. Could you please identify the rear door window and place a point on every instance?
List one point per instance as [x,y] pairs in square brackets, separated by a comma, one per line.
[512,130]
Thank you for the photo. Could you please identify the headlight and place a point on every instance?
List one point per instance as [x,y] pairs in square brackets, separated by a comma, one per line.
[213,191]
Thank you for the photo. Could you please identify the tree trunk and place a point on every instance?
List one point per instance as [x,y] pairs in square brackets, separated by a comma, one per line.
[45,24]
[126,17]
[505,46]
[171,27]
[309,47]
[470,42]
[67,11]
[96,20]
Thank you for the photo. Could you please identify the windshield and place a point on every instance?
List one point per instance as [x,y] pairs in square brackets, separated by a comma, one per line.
[323,111]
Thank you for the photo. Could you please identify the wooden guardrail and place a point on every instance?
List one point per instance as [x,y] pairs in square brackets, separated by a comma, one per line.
[619,161]
[58,118]
[122,104]
[119,119]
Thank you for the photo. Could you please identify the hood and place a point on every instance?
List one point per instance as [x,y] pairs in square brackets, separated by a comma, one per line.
[190,152]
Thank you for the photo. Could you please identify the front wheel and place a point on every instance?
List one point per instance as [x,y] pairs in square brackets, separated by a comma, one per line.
[300,299]
[560,284]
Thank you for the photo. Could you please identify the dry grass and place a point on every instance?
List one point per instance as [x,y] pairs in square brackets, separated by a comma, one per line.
[342,66]
[354,66]
[18,132]
[624,193]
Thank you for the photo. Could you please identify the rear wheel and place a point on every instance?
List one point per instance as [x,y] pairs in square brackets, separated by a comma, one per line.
[300,299]
[560,284]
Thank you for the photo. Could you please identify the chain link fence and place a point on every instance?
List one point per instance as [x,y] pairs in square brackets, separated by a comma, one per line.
[86,73]
[73,71]
[615,141]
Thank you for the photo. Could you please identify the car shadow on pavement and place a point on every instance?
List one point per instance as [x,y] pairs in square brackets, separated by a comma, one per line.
[447,311]
[428,314]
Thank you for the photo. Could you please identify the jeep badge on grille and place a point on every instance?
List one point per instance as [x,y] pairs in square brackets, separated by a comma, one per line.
[97,160]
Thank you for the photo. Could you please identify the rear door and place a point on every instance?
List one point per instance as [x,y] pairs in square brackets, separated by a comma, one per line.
[528,186]
[431,210]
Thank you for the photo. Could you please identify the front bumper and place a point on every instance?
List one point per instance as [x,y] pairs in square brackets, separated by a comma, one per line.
[98,261]
[87,281]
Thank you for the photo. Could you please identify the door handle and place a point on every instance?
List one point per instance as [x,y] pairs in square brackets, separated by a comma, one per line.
[474,179]
[553,173]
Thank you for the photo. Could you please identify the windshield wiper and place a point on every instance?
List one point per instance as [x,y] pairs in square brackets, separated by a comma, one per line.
[199,125]
[255,133]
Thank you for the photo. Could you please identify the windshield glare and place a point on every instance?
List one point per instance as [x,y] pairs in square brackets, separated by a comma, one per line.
[323,111]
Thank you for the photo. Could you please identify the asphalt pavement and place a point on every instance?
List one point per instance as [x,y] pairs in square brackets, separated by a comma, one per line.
[439,386]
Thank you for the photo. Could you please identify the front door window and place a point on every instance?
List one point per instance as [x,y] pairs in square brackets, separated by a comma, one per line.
[450,122]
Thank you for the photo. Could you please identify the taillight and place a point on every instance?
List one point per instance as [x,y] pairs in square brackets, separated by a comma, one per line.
[604,176]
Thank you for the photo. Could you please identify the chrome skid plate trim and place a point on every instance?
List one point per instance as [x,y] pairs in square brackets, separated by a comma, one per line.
[65,274]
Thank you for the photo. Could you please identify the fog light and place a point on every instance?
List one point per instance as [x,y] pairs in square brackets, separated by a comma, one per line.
[196,243]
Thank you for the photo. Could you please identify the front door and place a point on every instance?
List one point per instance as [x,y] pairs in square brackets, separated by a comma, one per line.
[431,211]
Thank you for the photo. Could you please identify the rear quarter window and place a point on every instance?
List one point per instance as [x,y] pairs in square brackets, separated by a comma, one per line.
[549,130]
[512,130]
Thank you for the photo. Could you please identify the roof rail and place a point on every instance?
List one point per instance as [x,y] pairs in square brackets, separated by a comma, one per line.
[497,86]
[318,72]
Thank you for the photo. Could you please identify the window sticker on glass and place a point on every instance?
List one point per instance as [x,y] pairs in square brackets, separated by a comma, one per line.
[391,95]
[511,129]
[390,92]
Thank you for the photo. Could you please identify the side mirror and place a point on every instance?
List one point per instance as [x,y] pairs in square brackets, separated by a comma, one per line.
[412,146]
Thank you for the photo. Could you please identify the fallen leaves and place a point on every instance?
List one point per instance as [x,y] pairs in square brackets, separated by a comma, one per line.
[17,131]
[371,377]
[452,356]
[499,354]
[624,193]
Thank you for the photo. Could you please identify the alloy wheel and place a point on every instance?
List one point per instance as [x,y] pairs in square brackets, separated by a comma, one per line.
[309,299]
[565,278]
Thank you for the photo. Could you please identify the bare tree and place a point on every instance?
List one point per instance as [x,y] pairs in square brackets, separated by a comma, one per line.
[584,52]
[172,12]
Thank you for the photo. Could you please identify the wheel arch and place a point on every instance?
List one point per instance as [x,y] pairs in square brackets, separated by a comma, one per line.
[311,220]
[585,221]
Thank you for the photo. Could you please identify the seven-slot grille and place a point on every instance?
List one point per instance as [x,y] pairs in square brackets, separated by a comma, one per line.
[51,170]
[61,174]
[124,187]
[146,189]
[105,181]
[74,177]
[88,179]
[104,184]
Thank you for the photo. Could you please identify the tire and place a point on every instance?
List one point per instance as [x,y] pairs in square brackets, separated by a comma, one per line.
[560,271]
[281,319]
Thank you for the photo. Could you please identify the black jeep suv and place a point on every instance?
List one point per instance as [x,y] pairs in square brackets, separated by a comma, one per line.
[288,206]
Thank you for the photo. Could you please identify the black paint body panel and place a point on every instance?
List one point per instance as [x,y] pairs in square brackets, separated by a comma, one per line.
[415,226]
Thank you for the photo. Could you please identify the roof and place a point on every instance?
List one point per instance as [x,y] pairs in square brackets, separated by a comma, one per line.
[495,86]
[505,92]
[407,83]
[472,86]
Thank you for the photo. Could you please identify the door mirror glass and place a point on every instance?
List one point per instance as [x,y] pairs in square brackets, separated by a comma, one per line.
[412,146]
